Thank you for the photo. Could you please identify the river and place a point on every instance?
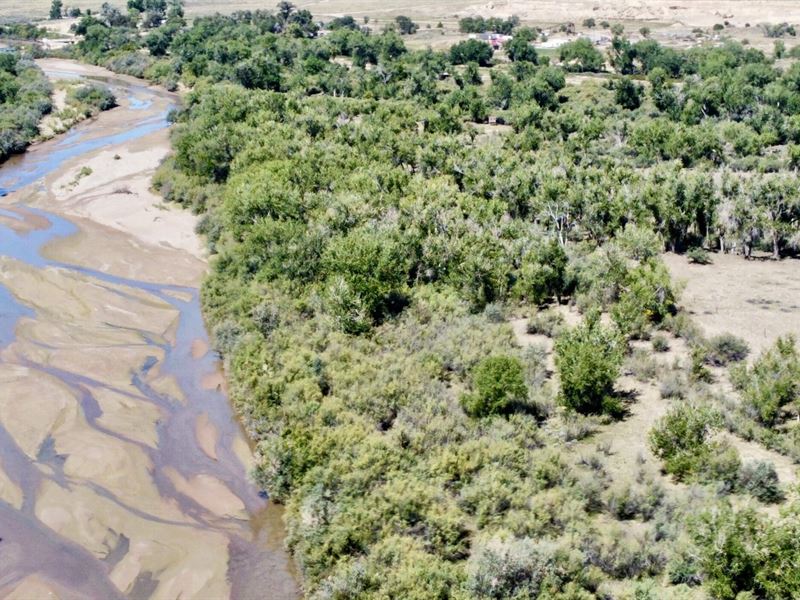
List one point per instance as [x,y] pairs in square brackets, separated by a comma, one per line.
[124,468]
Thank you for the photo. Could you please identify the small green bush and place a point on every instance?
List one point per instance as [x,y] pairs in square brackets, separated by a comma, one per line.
[682,439]
[94,97]
[771,383]
[726,348]
[760,480]
[498,384]
[588,359]
[698,256]
[660,343]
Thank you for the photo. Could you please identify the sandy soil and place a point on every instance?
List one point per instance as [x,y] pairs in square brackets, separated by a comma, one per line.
[696,12]
[758,300]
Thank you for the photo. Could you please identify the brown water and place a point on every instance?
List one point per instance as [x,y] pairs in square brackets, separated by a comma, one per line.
[124,469]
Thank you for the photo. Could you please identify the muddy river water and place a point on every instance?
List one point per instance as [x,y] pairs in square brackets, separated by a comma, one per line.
[123,470]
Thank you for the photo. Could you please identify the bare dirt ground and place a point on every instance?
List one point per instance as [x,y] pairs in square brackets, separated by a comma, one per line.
[670,21]
[758,300]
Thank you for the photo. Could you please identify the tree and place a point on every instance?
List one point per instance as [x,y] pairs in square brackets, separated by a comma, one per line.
[647,298]
[588,359]
[157,42]
[498,384]
[543,273]
[405,25]
[627,94]
[581,55]
[621,55]
[55,9]
[471,51]
[520,47]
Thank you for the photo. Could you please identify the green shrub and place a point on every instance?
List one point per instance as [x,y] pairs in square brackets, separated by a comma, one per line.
[627,501]
[726,348]
[673,386]
[682,439]
[744,555]
[588,359]
[646,299]
[771,383]
[520,569]
[698,371]
[498,385]
[698,256]
[659,343]
[93,97]
[759,479]
[543,273]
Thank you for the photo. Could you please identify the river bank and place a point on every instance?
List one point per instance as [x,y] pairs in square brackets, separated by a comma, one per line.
[123,466]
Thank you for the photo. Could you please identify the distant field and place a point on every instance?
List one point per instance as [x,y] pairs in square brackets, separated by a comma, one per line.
[674,13]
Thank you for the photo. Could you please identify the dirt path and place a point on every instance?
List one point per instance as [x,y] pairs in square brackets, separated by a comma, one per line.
[124,473]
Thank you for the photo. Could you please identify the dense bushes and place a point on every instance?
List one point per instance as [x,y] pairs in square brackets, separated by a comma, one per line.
[471,51]
[726,348]
[745,555]
[24,100]
[369,244]
[581,55]
[93,98]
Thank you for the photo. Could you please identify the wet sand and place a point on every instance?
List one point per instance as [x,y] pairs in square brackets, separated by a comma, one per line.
[121,469]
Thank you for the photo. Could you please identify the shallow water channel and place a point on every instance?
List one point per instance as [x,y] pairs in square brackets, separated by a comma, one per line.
[124,469]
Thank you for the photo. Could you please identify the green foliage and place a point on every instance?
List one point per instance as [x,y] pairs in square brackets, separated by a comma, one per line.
[471,51]
[498,386]
[743,554]
[682,439]
[698,256]
[581,56]
[56,9]
[726,348]
[542,275]
[522,569]
[482,25]
[405,25]
[647,298]
[24,100]
[771,383]
[588,358]
[520,48]
[627,94]
[369,242]
[92,98]
[759,479]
